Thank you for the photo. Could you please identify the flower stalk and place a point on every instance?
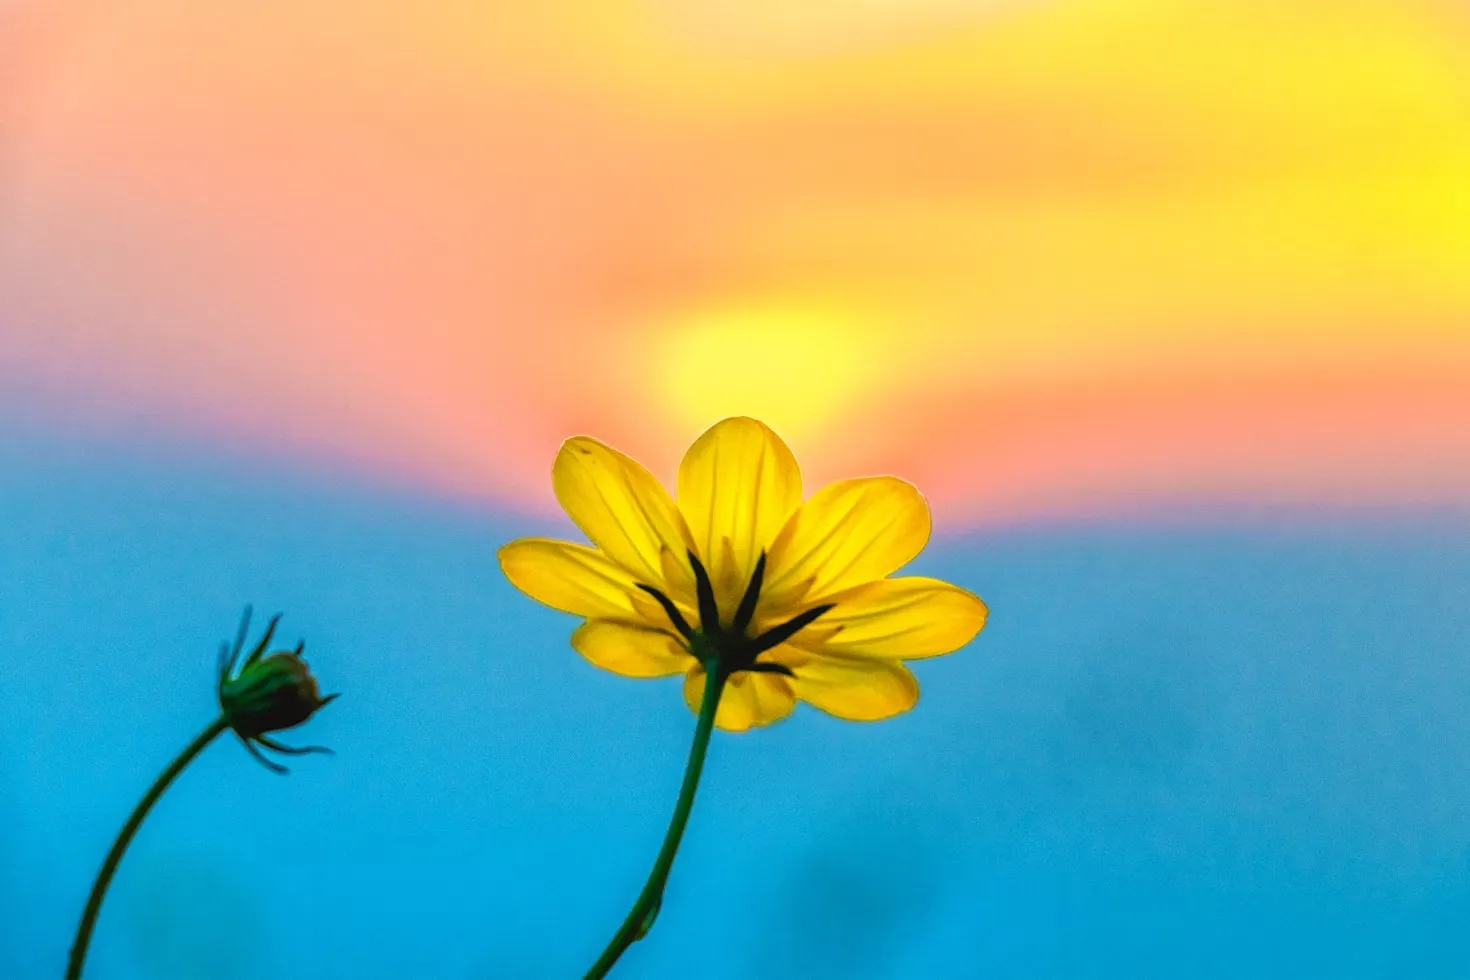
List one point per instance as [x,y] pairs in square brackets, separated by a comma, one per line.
[125,837]
[268,694]
[645,910]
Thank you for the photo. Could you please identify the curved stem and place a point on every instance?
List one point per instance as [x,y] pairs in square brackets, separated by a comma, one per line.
[125,836]
[645,910]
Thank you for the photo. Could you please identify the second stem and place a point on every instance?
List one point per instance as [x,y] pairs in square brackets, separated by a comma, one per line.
[125,836]
[645,910]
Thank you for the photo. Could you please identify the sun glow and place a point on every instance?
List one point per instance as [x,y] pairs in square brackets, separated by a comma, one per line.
[797,365]
[1050,253]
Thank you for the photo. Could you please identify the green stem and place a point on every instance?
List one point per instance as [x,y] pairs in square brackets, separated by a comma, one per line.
[125,836]
[645,910]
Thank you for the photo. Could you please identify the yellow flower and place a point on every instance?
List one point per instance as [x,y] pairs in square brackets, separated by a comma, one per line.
[790,599]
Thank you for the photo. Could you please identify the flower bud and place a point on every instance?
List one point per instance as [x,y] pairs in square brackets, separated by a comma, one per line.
[274,693]
[268,694]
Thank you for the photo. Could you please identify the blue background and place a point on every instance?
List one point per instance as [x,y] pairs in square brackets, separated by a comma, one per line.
[1217,747]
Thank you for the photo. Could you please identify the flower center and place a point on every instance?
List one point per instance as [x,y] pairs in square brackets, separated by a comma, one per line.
[733,649]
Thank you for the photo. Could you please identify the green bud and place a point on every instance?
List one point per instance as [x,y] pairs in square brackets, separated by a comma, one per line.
[268,694]
[274,693]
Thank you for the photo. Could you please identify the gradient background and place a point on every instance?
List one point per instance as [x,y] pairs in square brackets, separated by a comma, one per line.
[1165,303]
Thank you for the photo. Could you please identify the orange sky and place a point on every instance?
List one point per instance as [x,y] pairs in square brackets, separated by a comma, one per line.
[1042,256]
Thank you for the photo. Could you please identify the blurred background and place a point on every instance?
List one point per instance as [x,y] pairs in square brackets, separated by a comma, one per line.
[1164,303]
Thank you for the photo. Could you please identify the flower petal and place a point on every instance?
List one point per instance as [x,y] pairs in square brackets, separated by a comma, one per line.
[738,485]
[748,701]
[630,649]
[897,617]
[569,577]
[850,688]
[624,511]
[850,533]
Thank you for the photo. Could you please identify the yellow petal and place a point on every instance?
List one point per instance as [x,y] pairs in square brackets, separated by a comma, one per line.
[896,617]
[630,649]
[738,484]
[748,701]
[855,689]
[850,533]
[624,510]
[569,577]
